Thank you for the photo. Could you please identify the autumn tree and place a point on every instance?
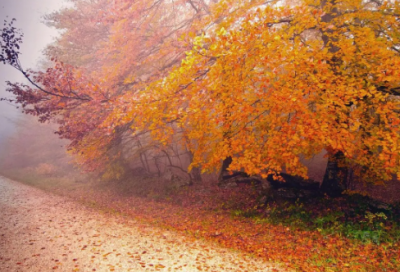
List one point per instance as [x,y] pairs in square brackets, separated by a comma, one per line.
[107,52]
[85,26]
[286,83]
[264,84]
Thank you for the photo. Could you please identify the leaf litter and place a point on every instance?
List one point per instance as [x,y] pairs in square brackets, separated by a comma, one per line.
[72,237]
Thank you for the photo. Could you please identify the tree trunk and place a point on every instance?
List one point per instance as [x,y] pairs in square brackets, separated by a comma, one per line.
[225,164]
[336,175]
[195,173]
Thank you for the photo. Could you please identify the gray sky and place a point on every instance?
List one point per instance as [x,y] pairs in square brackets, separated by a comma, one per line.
[36,36]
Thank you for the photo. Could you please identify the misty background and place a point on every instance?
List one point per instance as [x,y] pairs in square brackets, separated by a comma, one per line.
[37,35]
[24,133]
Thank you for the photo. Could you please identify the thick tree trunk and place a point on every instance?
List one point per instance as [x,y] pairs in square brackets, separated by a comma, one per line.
[336,175]
[223,172]
[195,173]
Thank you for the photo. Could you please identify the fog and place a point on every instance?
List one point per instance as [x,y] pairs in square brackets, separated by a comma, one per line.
[28,14]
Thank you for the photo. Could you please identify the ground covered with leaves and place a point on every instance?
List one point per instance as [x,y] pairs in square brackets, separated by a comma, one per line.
[40,231]
[324,234]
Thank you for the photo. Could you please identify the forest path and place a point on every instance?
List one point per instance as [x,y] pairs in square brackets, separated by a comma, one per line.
[40,231]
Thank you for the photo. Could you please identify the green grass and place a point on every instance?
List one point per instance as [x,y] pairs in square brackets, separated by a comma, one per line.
[350,217]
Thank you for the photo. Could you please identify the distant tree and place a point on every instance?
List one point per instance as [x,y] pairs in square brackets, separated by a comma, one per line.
[108,73]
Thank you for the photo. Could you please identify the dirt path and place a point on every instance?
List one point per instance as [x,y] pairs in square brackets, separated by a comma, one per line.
[44,232]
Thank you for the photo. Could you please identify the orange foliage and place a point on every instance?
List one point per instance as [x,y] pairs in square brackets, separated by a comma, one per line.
[281,83]
[263,83]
